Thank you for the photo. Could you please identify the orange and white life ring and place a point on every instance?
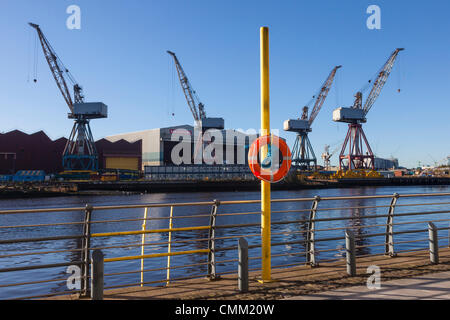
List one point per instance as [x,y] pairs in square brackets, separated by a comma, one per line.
[267,174]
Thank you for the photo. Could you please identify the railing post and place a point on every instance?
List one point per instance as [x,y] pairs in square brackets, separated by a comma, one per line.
[434,245]
[85,249]
[350,253]
[310,244]
[212,243]
[389,239]
[243,265]
[144,228]
[169,247]
[97,275]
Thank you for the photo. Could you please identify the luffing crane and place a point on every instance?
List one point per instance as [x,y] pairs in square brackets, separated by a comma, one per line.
[359,157]
[326,156]
[303,156]
[197,108]
[80,152]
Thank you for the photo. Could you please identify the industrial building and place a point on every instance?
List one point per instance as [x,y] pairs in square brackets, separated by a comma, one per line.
[386,164]
[158,144]
[22,151]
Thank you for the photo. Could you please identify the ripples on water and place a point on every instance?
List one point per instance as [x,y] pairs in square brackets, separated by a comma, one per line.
[280,233]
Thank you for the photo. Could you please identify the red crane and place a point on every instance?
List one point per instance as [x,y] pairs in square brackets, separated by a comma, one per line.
[359,154]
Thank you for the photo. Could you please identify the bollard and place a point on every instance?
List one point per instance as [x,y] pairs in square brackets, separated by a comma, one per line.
[97,275]
[434,246]
[350,253]
[243,265]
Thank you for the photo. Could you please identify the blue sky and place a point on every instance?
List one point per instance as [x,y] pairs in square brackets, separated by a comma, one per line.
[119,57]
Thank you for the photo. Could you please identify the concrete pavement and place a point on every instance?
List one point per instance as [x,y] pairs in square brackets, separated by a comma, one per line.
[435,286]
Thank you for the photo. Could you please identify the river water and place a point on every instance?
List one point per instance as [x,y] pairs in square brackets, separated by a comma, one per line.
[281,232]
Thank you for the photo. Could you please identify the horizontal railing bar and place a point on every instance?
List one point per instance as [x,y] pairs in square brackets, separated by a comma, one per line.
[43,266]
[137,244]
[38,252]
[411,241]
[289,254]
[42,225]
[227,261]
[31,282]
[153,218]
[239,236]
[330,250]
[411,250]
[152,282]
[246,225]
[420,204]
[332,260]
[161,205]
[157,269]
[420,213]
[139,232]
[370,245]
[156,255]
[41,239]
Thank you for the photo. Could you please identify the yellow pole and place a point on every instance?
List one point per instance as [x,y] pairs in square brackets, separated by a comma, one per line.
[170,245]
[265,130]
[142,247]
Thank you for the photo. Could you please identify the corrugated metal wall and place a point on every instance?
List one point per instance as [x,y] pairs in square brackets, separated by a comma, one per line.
[38,152]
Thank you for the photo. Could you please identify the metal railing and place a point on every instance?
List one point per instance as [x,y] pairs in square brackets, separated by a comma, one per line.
[204,237]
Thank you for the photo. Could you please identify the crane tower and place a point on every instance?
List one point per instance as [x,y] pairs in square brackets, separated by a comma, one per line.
[360,155]
[197,108]
[80,152]
[303,156]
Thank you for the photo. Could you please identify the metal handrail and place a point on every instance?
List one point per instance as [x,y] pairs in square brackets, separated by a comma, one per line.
[215,239]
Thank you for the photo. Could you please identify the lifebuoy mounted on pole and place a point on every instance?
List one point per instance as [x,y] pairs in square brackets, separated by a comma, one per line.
[274,172]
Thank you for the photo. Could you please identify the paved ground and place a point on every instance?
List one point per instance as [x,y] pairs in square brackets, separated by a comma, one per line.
[304,282]
[434,286]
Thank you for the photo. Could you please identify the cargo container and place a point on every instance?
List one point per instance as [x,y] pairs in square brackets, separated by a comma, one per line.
[29,176]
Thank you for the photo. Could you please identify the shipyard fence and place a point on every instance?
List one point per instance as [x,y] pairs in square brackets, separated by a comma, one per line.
[156,244]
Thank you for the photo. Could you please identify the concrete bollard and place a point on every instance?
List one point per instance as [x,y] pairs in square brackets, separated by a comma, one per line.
[243,265]
[97,272]
[350,253]
[434,246]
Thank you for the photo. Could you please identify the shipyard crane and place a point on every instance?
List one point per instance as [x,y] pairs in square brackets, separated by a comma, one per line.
[326,156]
[360,155]
[303,156]
[197,108]
[80,152]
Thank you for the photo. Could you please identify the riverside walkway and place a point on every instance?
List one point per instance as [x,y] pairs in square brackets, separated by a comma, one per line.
[435,286]
[420,279]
